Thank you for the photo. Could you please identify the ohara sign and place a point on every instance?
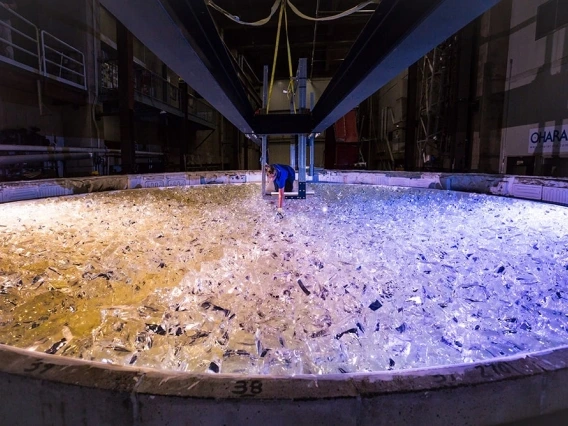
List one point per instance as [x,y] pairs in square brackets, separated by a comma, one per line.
[548,140]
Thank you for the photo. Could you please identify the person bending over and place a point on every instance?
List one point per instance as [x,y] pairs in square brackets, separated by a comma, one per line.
[283,177]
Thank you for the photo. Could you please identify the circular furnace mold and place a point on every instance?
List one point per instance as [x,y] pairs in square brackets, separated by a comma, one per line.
[46,389]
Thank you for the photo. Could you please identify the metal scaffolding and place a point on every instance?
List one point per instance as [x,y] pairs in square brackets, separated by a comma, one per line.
[437,70]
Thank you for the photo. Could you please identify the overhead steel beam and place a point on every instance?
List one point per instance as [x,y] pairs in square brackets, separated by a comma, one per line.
[183,35]
[397,35]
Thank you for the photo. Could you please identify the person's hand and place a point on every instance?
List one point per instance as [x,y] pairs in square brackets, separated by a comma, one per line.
[280,214]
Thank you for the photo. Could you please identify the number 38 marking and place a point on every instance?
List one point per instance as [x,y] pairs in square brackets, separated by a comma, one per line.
[247,388]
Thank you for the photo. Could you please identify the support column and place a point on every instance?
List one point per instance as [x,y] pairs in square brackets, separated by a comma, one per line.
[264,138]
[263,161]
[237,151]
[184,129]
[493,71]
[302,82]
[165,98]
[302,166]
[293,152]
[311,144]
[164,136]
[411,108]
[462,110]
[126,98]
[312,141]
[264,89]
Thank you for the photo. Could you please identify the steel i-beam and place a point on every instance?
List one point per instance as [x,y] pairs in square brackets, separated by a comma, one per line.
[398,34]
[183,35]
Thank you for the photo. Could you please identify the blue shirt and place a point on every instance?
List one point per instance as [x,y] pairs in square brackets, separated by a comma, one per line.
[283,173]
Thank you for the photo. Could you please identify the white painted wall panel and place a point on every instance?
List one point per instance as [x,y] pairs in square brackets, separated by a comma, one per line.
[533,192]
[537,96]
[555,195]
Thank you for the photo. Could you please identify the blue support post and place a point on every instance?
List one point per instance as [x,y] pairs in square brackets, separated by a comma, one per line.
[302,166]
[312,139]
[293,154]
[264,138]
[263,161]
[302,92]
[264,89]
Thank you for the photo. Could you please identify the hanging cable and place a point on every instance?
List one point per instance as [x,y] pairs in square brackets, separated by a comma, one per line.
[277,3]
[291,89]
[331,18]
[282,8]
[282,4]
[236,19]
[314,42]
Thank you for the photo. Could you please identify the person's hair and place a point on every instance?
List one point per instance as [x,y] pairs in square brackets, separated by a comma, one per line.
[269,168]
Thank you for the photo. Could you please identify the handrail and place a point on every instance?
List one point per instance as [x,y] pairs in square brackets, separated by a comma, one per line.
[250,71]
[64,70]
[201,109]
[245,79]
[7,52]
[151,85]
[45,54]
[155,87]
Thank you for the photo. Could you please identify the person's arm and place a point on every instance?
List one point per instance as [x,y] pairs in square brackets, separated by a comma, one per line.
[279,213]
[280,198]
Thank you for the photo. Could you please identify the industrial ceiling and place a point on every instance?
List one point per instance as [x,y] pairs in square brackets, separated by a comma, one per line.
[324,43]
[192,37]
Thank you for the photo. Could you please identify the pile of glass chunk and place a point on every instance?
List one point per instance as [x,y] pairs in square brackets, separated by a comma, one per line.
[353,279]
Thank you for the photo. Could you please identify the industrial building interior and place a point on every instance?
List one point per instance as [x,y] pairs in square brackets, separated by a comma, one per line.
[92,88]
[143,280]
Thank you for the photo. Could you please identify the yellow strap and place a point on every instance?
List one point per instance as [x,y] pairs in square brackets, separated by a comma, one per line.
[331,18]
[236,19]
[282,8]
[291,82]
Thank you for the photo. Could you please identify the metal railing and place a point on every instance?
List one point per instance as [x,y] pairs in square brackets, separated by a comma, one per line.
[62,62]
[22,44]
[200,109]
[108,75]
[146,83]
[156,87]
[248,78]
[19,41]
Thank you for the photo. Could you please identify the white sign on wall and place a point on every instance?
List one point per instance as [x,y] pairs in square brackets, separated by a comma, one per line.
[548,140]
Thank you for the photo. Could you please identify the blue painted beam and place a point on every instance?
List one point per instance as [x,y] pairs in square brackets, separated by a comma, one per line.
[398,34]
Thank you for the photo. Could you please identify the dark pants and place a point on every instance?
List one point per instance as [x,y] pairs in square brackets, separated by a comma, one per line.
[289,185]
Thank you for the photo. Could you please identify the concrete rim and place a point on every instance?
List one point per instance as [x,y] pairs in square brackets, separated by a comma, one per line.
[139,380]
